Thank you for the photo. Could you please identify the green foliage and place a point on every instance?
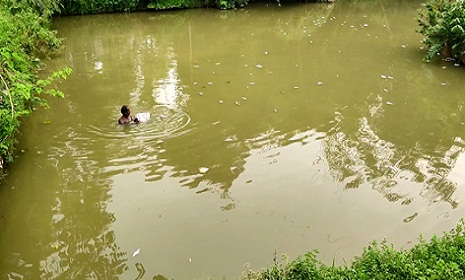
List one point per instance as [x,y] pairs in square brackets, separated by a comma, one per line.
[76,7]
[230,4]
[25,38]
[440,258]
[44,8]
[176,4]
[442,22]
[179,4]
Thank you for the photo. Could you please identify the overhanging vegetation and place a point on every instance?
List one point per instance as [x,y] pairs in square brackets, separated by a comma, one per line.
[25,39]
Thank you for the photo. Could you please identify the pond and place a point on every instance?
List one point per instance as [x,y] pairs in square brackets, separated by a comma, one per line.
[274,130]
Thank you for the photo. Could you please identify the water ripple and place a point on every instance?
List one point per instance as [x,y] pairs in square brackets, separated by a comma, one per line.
[166,122]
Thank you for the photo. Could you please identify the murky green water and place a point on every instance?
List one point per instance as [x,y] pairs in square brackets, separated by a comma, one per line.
[319,124]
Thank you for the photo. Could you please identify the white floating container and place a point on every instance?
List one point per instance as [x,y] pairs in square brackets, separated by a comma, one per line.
[142,117]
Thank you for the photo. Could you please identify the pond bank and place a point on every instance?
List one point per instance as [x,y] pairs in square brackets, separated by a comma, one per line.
[25,40]
[439,258]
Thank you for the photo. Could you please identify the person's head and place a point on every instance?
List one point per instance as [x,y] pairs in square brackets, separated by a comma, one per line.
[125,111]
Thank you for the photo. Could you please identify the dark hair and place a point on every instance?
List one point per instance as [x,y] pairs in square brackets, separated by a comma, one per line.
[124,109]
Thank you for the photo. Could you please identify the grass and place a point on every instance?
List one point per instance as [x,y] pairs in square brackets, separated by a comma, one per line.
[439,258]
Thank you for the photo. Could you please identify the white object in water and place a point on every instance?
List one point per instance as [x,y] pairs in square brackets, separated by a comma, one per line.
[137,252]
[203,170]
[142,117]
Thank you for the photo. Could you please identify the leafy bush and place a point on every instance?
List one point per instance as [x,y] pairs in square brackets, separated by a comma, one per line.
[442,22]
[76,7]
[230,4]
[24,39]
[177,4]
[440,258]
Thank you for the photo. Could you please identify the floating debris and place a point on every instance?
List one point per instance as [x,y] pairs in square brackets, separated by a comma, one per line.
[404,46]
[136,252]
[383,76]
[410,218]
[244,98]
[237,103]
[266,52]
[220,101]
[456,64]
[389,103]
[203,170]
[275,110]
[443,84]
[200,93]
[210,83]
[319,83]
[195,83]
[296,87]
[259,66]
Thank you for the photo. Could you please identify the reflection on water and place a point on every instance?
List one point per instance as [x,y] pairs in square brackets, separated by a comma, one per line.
[288,128]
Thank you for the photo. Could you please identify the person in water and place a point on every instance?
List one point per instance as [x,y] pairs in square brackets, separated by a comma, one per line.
[126,116]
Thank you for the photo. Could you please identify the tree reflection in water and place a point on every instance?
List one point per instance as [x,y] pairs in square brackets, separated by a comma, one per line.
[362,158]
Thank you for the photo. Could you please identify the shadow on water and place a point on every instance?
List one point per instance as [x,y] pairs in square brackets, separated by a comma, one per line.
[291,120]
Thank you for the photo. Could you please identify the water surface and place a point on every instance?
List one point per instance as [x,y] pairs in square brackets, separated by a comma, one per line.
[274,130]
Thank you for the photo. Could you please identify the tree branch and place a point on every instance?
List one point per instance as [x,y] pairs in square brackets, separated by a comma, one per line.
[9,95]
